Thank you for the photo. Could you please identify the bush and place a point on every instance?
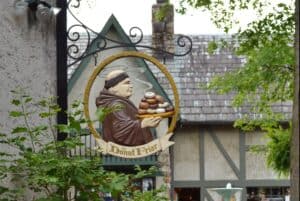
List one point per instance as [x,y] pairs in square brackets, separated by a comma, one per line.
[46,166]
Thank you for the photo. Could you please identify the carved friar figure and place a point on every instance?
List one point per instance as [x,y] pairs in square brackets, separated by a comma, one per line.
[122,126]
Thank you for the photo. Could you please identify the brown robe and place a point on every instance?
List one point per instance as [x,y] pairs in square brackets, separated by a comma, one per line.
[122,126]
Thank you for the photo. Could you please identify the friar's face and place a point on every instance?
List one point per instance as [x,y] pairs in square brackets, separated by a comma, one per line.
[123,88]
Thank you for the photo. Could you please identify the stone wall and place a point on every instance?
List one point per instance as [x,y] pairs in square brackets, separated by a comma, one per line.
[27,57]
[27,60]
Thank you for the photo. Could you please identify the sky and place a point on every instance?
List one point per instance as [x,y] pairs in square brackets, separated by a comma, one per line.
[130,13]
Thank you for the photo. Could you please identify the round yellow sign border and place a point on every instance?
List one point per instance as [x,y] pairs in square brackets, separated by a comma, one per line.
[120,55]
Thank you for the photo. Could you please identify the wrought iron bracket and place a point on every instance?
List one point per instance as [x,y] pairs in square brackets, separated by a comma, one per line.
[76,54]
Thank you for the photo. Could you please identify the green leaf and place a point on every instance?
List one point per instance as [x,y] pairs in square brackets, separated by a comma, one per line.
[3,189]
[15,113]
[39,128]
[102,112]
[6,154]
[51,198]
[13,91]
[18,140]
[19,130]
[28,99]
[162,12]
[16,102]
[4,142]
[212,46]
[76,104]
[63,128]
[43,103]
[44,114]
[74,124]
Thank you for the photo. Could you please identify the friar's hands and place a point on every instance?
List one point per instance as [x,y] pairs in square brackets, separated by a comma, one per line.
[150,122]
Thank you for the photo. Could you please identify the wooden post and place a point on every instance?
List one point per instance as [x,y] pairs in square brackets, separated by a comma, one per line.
[61,64]
[295,135]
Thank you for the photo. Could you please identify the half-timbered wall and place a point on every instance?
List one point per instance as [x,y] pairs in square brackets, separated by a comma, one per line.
[211,156]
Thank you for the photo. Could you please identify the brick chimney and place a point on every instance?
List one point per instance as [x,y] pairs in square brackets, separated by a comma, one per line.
[163,29]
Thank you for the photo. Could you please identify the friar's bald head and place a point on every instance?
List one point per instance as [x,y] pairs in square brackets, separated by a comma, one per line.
[113,74]
[118,83]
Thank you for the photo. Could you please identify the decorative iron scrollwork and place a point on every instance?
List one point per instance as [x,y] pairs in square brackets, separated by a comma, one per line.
[76,52]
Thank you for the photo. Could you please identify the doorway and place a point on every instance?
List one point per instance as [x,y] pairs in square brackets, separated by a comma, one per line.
[187,194]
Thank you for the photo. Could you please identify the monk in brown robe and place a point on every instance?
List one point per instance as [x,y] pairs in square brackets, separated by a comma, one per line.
[122,126]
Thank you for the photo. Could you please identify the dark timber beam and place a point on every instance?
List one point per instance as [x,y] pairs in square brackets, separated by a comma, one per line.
[61,64]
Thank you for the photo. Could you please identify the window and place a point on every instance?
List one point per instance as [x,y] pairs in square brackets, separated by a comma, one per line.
[268,194]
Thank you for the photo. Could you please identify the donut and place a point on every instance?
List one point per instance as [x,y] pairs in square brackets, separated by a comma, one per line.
[151,111]
[142,111]
[144,99]
[149,94]
[144,105]
[151,100]
[159,98]
[153,106]
[163,105]
[160,110]
[169,109]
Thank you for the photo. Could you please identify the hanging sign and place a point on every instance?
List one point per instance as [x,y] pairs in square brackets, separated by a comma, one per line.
[126,127]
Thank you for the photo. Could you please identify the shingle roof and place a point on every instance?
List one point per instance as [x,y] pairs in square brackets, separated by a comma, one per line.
[195,70]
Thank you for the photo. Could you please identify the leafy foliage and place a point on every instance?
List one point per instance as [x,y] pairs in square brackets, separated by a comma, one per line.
[47,167]
[266,78]
[102,112]
[184,4]
[163,11]
[278,157]
[146,196]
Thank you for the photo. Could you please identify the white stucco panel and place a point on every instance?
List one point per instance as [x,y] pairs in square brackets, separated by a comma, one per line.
[186,157]
[216,166]
[229,138]
[256,167]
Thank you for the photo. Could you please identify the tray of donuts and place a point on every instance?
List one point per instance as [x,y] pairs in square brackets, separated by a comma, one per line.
[154,105]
